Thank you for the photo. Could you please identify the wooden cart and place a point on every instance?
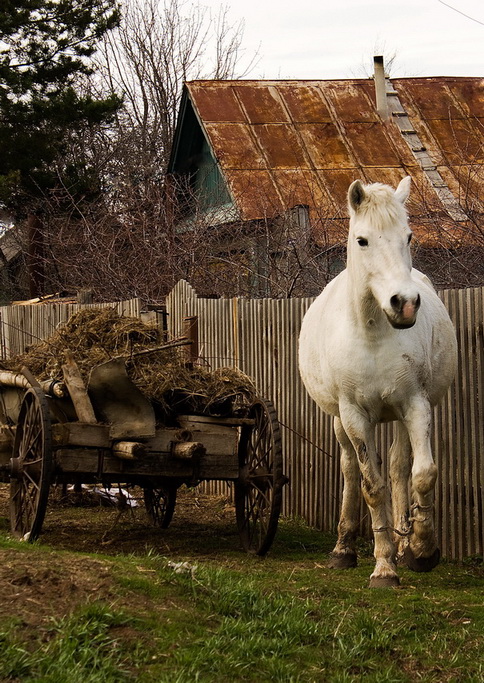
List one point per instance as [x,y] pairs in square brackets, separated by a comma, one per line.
[64,433]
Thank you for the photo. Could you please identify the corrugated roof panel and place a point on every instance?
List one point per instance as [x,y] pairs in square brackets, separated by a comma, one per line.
[281,146]
[370,144]
[336,183]
[350,101]
[388,176]
[216,103]
[234,146]
[325,146]
[261,103]
[255,194]
[301,187]
[458,141]
[432,98]
[305,103]
[470,95]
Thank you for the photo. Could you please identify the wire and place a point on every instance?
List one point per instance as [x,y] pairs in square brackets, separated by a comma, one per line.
[463,13]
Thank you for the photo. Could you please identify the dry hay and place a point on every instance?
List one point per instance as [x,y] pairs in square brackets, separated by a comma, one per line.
[95,335]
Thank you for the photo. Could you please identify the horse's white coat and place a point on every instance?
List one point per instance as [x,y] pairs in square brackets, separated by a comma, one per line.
[378,345]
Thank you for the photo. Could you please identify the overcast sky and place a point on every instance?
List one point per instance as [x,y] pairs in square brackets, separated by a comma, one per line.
[319,39]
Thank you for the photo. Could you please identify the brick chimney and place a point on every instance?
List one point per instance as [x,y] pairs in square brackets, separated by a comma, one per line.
[380,87]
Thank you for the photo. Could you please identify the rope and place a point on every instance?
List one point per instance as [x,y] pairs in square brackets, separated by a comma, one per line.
[396,531]
[416,506]
[305,438]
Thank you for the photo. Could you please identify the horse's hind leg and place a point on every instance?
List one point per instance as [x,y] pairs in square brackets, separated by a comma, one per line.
[400,466]
[344,553]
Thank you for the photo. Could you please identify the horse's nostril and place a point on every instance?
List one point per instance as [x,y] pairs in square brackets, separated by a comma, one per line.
[396,302]
[417,302]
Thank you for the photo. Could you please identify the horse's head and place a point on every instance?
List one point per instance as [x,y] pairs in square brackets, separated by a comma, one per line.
[379,260]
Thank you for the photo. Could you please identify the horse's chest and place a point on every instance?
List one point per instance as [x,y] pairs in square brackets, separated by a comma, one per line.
[380,381]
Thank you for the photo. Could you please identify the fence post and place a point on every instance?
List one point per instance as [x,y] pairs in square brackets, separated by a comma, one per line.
[190,331]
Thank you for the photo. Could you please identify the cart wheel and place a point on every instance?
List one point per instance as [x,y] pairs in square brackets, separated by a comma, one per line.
[258,490]
[160,504]
[31,466]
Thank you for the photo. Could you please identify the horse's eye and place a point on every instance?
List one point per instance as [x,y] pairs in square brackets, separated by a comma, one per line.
[409,238]
[362,241]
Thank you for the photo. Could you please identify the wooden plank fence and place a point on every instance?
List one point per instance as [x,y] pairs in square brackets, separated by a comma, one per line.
[260,337]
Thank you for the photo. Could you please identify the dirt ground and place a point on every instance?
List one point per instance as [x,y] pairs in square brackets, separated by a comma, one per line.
[35,587]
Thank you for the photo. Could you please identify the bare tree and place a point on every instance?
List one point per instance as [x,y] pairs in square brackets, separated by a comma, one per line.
[144,244]
[157,47]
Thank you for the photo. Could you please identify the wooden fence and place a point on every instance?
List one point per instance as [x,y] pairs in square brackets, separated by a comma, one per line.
[260,337]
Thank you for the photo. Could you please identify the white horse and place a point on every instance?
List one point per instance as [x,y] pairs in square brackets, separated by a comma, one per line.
[377,345]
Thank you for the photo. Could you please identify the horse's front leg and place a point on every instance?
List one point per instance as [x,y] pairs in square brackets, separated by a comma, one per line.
[362,436]
[344,553]
[422,553]
[400,467]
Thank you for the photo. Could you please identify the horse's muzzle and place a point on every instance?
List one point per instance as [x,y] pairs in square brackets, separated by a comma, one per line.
[404,312]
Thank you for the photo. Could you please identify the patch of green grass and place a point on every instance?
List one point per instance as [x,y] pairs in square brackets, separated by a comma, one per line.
[256,631]
[75,649]
[14,658]
[287,618]
[259,635]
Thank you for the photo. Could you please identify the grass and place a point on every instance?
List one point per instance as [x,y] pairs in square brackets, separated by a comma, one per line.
[71,650]
[176,619]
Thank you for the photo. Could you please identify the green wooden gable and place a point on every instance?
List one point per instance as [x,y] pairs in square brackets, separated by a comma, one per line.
[193,163]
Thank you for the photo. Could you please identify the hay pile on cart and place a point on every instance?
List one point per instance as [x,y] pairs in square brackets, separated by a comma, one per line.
[159,369]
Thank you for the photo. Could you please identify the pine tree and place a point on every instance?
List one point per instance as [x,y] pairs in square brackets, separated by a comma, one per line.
[45,47]
[45,50]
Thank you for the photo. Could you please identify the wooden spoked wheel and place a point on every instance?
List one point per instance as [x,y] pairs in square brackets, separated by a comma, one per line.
[31,466]
[160,504]
[258,490]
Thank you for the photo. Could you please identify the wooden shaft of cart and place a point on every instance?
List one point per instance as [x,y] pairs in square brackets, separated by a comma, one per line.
[21,381]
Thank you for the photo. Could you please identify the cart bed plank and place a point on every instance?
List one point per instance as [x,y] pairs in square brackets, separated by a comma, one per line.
[81,434]
[217,439]
[204,420]
[88,461]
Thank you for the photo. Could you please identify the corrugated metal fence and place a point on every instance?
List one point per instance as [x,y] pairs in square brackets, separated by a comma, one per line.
[21,326]
[260,337]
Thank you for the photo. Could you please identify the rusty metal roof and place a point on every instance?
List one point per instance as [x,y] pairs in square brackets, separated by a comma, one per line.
[285,143]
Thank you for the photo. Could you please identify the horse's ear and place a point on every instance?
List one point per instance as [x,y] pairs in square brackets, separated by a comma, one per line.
[356,194]
[403,190]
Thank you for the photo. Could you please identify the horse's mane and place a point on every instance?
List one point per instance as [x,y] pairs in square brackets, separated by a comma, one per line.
[380,206]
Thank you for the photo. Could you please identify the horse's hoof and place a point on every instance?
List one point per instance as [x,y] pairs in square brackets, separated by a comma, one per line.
[384,581]
[421,564]
[343,561]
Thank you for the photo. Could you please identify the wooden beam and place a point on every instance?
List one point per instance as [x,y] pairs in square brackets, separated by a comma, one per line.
[81,434]
[85,462]
[78,392]
[129,450]
[187,450]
